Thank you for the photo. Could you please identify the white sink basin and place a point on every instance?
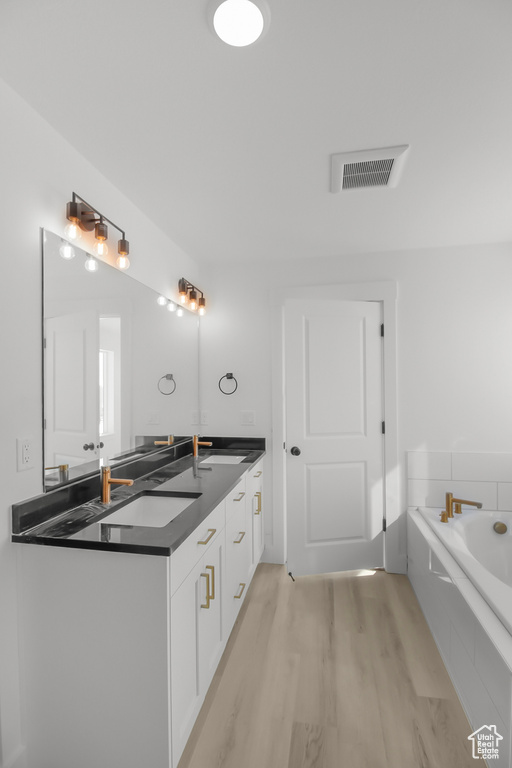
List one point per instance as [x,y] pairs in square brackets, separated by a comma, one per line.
[223,459]
[151,511]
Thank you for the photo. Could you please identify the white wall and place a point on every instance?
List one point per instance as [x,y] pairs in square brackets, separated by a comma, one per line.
[454,350]
[39,171]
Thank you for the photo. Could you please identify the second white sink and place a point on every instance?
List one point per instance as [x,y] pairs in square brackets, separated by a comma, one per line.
[220,459]
[150,511]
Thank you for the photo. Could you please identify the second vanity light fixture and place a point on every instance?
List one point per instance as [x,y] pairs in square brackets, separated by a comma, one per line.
[84,217]
[189,296]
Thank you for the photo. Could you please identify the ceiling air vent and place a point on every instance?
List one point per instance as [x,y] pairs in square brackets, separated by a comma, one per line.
[367,168]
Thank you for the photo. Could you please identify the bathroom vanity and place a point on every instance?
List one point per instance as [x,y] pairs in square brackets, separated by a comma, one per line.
[126,610]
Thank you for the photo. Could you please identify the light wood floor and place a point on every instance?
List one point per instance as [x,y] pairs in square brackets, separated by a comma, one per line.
[336,671]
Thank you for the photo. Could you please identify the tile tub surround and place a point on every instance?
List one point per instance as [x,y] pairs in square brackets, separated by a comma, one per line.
[484,477]
[476,647]
[75,521]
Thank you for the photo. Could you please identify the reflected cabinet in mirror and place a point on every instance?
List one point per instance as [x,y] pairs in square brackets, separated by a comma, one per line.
[118,368]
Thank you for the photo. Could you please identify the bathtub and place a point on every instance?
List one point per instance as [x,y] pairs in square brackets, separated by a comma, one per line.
[484,555]
[462,576]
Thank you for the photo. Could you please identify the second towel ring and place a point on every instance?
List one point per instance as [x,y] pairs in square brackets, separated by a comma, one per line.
[230,377]
[167,377]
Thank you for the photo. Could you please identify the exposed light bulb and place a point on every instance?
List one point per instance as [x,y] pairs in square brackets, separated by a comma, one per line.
[72,231]
[193,300]
[67,251]
[162,301]
[179,312]
[202,306]
[91,264]
[122,262]
[100,248]
[238,22]
[171,306]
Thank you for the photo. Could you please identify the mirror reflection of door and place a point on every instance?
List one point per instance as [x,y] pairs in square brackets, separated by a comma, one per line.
[71,390]
[110,386]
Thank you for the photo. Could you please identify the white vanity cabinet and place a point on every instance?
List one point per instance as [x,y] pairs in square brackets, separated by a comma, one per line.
[255,508]
[197,638]
[238,553]
[119,649]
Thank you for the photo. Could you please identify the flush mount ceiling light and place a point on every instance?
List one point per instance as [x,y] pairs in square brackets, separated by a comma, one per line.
[84,217]
[239,22]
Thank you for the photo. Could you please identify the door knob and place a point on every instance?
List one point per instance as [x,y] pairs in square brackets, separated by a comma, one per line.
[88,446]
[101,445]
[295,451]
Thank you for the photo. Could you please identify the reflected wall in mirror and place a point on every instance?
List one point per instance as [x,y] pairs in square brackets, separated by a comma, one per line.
[109,352]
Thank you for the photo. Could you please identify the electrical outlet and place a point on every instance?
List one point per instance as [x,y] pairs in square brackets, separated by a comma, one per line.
[247,418]
[25,453]
[204,418]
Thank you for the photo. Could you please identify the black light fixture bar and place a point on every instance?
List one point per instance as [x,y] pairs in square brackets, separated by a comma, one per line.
[87,217]
[82,211]
[187,289]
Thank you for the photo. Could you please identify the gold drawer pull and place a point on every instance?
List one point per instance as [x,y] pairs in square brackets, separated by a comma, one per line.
[257,474]
[237,597]
[242,494]
[212,569]
[212,532]
[239,541]
[258,508]
[208,598]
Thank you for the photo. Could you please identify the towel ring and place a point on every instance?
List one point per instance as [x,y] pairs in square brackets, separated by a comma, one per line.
[168,377]
[228,376]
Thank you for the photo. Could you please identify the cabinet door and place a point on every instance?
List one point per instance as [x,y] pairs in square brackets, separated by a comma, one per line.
[210,634]
[197,641]
[185,690]
[255,511]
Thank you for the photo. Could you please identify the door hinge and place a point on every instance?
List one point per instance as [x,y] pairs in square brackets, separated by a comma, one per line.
[284,446]
[384,524]
[383,427]
[44,343]
[382,329]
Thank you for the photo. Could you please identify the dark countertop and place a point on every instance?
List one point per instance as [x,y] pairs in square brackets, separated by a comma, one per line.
[82,527]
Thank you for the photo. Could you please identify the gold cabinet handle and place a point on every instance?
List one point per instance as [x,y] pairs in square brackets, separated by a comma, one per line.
[212,569]
[258,474]
[212,532]
[239,541]
[242,587]
[242,494]
[258,508]
[208,598]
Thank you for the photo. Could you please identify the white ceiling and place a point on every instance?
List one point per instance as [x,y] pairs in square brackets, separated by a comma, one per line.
[228,149]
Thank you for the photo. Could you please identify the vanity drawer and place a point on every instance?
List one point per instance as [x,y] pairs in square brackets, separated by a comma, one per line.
[235,501]
[191,551]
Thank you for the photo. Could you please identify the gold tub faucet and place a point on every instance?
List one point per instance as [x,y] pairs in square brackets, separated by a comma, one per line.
[455,505]
[106,481]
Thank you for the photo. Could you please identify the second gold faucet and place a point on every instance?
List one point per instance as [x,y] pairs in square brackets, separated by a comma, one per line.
[455,505]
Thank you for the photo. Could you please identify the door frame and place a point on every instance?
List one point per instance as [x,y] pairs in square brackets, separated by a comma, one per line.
[385,292]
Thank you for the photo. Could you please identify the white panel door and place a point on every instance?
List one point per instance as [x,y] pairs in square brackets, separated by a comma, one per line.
[71,389]
[334,415]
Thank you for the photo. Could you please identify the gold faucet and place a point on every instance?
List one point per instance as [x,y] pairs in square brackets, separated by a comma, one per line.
[63,471]
[106,481]
[169,441]
[455,505]
[196,443]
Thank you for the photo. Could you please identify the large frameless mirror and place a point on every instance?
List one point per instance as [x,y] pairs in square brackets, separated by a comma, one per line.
[119,369]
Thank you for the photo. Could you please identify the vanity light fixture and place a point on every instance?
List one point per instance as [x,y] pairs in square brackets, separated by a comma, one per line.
[84,217]
[188,296]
